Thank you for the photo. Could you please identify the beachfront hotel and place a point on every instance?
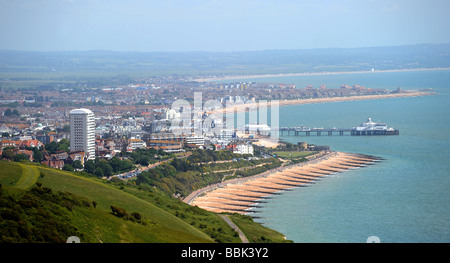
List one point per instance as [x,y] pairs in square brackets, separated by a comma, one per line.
[82,132]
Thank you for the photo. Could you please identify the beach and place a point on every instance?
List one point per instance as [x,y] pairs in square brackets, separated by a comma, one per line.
[266,142]
[405,94]
[240,195]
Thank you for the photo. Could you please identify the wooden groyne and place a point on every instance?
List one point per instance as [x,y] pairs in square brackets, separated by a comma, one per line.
[240,195]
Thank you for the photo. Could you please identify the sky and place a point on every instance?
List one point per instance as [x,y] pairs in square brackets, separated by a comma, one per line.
[213,25]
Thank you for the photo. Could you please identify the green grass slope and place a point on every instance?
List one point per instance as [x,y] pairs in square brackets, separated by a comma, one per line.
[99,224]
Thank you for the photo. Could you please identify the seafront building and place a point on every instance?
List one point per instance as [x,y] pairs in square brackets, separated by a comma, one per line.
[244,149]
[82,132]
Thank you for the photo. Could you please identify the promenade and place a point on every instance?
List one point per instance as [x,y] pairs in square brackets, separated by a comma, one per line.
[239,195]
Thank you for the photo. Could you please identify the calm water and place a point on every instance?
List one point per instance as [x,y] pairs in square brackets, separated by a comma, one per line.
[405,198]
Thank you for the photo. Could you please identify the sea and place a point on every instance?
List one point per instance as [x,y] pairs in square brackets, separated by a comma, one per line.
[403,199]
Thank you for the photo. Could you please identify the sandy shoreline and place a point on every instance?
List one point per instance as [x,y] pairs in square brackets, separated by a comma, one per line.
[239,195]
[353,98]
[250,106]
[313,74]
[267,142]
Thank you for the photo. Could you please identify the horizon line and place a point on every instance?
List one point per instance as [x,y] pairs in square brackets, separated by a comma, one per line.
[223,51]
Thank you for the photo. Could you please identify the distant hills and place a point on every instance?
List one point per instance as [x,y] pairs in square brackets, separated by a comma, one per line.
[148,64]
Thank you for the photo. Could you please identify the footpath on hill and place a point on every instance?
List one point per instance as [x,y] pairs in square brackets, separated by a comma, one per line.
[236,228]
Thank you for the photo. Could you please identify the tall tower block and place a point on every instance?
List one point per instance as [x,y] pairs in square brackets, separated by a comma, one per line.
[82,132]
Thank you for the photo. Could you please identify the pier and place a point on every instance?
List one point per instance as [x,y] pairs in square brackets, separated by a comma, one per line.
[302,131]
[367,128]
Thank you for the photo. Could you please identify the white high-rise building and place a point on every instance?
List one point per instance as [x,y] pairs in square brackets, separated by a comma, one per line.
[82,132]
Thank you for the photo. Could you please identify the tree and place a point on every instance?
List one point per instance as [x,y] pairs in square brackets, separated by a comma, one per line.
[98,172]
[115,164]
[118,165]
[8,154]
[143,160]
[66,128]
[52,147]
[37,155]
[7,113]
[89,166]
[63,145]
[106,168]
[77,164]
[68,167]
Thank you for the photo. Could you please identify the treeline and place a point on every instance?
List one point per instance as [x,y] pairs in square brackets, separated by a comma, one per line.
[102,167]
[239,163]
[38,153]
[76,104]
[204,156]
[11,113]
[179,177]
[9,154]
[275,163]
[124,162]
[40,215]
[121,163]
[145,157]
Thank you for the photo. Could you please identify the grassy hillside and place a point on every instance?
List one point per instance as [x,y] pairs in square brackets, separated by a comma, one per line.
[99,224]
[161,218]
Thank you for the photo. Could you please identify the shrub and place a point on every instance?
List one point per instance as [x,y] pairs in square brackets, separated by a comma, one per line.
[68,167]
[120,212]
[21,157]
[86,203]
[136,215]
[9,214]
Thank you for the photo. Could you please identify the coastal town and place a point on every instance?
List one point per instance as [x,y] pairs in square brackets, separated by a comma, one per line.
[140,116]
[244,124]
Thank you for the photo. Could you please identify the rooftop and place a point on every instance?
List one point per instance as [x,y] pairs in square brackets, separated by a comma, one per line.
[81,111]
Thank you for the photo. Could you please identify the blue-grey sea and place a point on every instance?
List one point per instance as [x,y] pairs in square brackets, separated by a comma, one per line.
[405,198]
